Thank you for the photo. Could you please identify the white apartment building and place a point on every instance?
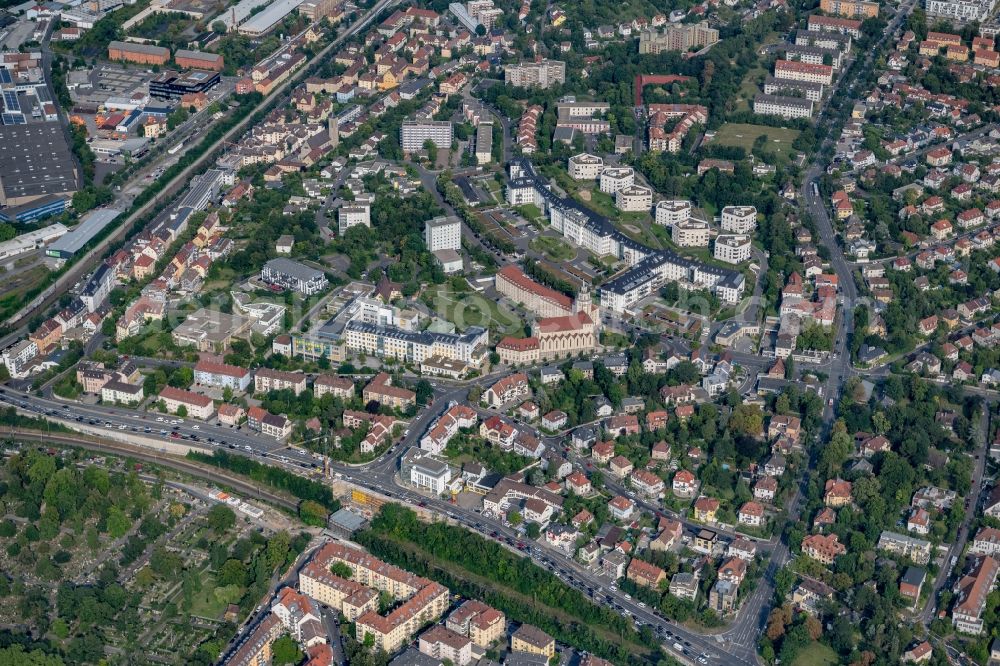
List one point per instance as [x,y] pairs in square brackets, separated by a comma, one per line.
[353,216]
[961,10]
[739,219]
[426,471]
[585,167]
[17,356]
[732,249]
[634,198]
[413,134]
[811,91]
[541,74]
[443,233]
[786,107]
[690,233]
[803,71]
[671,211]
[617,178]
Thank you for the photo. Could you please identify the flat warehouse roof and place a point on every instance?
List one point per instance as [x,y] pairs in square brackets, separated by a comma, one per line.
[36,161]
[83,232]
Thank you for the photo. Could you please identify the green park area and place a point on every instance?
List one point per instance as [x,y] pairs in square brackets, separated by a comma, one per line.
[464,307]
[742,135]
[816,654]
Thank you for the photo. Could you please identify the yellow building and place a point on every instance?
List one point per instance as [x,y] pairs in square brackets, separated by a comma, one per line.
[533,640]
[422,600]
[858,9]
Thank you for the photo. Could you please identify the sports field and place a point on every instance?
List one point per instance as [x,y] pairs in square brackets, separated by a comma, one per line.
[743,135]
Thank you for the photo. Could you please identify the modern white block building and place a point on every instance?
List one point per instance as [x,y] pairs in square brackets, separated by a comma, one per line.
[353,216]
[413,134]
[617,178]
[671,211]
[585,167]
[732,249]
[690,233]
[443,233]
[739,219]
[634,198]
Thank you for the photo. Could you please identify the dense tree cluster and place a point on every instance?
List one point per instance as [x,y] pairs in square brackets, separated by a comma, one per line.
[524,591]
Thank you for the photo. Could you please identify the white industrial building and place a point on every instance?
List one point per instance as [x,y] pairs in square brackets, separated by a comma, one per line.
[31,240]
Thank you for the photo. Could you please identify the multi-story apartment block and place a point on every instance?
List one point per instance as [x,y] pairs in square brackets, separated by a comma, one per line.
[614,179]
[339,387]
[739,219]
[541,300]
[816,55]
[293,275]
[634,198]
[671,211]
[381,390]
[853,9]
[196,405]
[353,215]
[649,268]
[802,71]
[677,37]
[539,74]
[469,347]
[413,134]
[443,233]
[904,545]
[532,640]
[787,88]
[971,593]
[266,423]
[690,233]
[732,249]
[268,379]
[585,166]
[443,643]
[483,624]
[221,375]
[820,23]
[422,600]
[961,10]
[823,548]
[18,356]
[786,107]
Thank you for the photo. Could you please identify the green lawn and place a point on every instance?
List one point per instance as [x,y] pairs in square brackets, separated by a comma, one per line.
[553,248]
[205,603]
[743,135]
[472,309]
[816,654]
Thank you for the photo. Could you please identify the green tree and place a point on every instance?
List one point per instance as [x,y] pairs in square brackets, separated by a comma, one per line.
[342,570]
[221,518]
[118,523]
[285,651]
[312,513]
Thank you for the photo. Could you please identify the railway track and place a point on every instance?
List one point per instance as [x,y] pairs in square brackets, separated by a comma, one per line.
[207,472]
